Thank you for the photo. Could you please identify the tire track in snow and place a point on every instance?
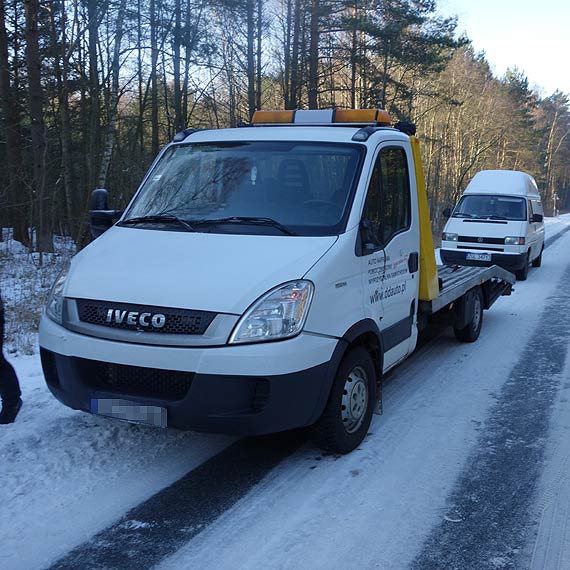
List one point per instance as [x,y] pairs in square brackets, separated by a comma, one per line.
[161,525]
[489,511]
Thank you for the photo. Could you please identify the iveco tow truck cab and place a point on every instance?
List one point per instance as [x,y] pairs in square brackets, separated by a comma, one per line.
[498,220]
[261,279]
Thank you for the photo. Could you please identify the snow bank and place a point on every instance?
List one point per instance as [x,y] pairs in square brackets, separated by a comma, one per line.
[24,284]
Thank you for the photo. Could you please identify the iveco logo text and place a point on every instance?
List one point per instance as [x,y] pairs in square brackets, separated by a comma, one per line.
[134,318]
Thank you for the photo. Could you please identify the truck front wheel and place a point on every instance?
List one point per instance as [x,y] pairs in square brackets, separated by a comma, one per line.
[470,333]
[348,413]
[522,274]
[538,261]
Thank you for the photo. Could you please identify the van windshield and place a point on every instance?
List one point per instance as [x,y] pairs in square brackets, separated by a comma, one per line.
[491,207]
[296,188]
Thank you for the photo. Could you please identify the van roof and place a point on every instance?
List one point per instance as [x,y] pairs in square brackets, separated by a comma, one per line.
[512,182]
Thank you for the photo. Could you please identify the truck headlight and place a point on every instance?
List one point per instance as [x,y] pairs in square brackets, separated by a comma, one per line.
[279,314]
[54,305]
[511,240]
[449,237]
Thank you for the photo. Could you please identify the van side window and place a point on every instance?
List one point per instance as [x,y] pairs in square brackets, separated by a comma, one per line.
[537,207]
[530,210]
[395,185]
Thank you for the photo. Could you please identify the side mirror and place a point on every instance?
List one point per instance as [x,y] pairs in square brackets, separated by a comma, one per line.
[537,217]
[447,213]
[99,199]
[100,217]
[369,237]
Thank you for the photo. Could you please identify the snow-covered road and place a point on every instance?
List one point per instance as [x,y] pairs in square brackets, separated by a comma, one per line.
[466,469]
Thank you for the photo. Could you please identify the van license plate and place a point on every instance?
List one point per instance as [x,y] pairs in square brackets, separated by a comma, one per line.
[129,411]
[478,257]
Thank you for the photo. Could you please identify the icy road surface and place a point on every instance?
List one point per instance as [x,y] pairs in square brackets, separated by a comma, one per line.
[467,469]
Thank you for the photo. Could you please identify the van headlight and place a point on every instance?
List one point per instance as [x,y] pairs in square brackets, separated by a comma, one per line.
[445,236]
[54,305]
[512,240]
[279,314]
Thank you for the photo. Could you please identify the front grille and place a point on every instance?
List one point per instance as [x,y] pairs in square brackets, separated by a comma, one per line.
[145,318]
[472,239]
[127,380]
[481,248]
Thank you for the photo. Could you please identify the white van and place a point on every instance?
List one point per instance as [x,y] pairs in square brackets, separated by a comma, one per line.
[497,221]
[262,279]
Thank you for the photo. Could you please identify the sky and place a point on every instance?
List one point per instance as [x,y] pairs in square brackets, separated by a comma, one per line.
[532,35]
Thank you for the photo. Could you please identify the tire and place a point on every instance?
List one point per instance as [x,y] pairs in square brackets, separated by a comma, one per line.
[347,415]
[538,261]
[522,274]
[471,332]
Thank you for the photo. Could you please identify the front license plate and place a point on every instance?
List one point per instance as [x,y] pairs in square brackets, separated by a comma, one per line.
[129,411]
[478,257]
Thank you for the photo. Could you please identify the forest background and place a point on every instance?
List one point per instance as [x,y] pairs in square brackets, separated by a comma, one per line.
[91,89]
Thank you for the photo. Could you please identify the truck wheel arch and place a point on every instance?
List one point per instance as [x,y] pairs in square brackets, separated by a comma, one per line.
[366,334]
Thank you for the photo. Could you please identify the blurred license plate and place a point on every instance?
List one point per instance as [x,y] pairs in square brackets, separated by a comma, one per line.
[478,257]
[129,411]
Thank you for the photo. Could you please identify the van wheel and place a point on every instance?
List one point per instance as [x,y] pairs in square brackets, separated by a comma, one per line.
[522,274]
[348,413]
[538,261]
[471,332]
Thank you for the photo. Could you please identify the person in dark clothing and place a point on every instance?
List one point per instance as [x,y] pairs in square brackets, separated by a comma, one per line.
[9,387]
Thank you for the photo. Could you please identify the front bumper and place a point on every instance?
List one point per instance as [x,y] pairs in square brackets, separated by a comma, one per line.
[271,387]
[510,261]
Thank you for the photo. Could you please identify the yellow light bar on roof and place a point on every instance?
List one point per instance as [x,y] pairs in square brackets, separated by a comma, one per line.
[357,116]
[267,117]
[375,117]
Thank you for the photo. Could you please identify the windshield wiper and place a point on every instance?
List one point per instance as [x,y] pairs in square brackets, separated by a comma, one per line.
[163,219]
[496,217]
[461,215]
[248,220]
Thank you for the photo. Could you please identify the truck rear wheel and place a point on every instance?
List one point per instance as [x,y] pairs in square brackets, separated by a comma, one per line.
[470,333]
[348,413]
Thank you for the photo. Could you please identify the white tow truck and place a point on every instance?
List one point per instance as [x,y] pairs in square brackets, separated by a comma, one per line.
[262,278]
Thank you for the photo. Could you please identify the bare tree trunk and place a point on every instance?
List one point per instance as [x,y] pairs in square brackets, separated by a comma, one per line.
[548,162]
[258,67]
[250,58]
[353,55]
[295,88]
[154,77]
[140,124]
[178,121]
[114,98]
[9,107]
[93,25]
[44,237]
[60,69]
[314,55]
[287,56]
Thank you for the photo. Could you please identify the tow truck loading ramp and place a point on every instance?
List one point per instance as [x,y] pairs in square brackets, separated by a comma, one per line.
[456,280]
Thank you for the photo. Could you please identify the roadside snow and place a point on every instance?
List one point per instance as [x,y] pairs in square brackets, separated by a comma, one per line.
[24,285]
[65,475]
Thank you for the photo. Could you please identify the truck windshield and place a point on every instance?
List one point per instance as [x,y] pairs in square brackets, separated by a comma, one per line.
[491,207]
[293,188]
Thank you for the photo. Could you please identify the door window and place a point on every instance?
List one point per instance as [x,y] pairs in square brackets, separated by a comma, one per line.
[387,209]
